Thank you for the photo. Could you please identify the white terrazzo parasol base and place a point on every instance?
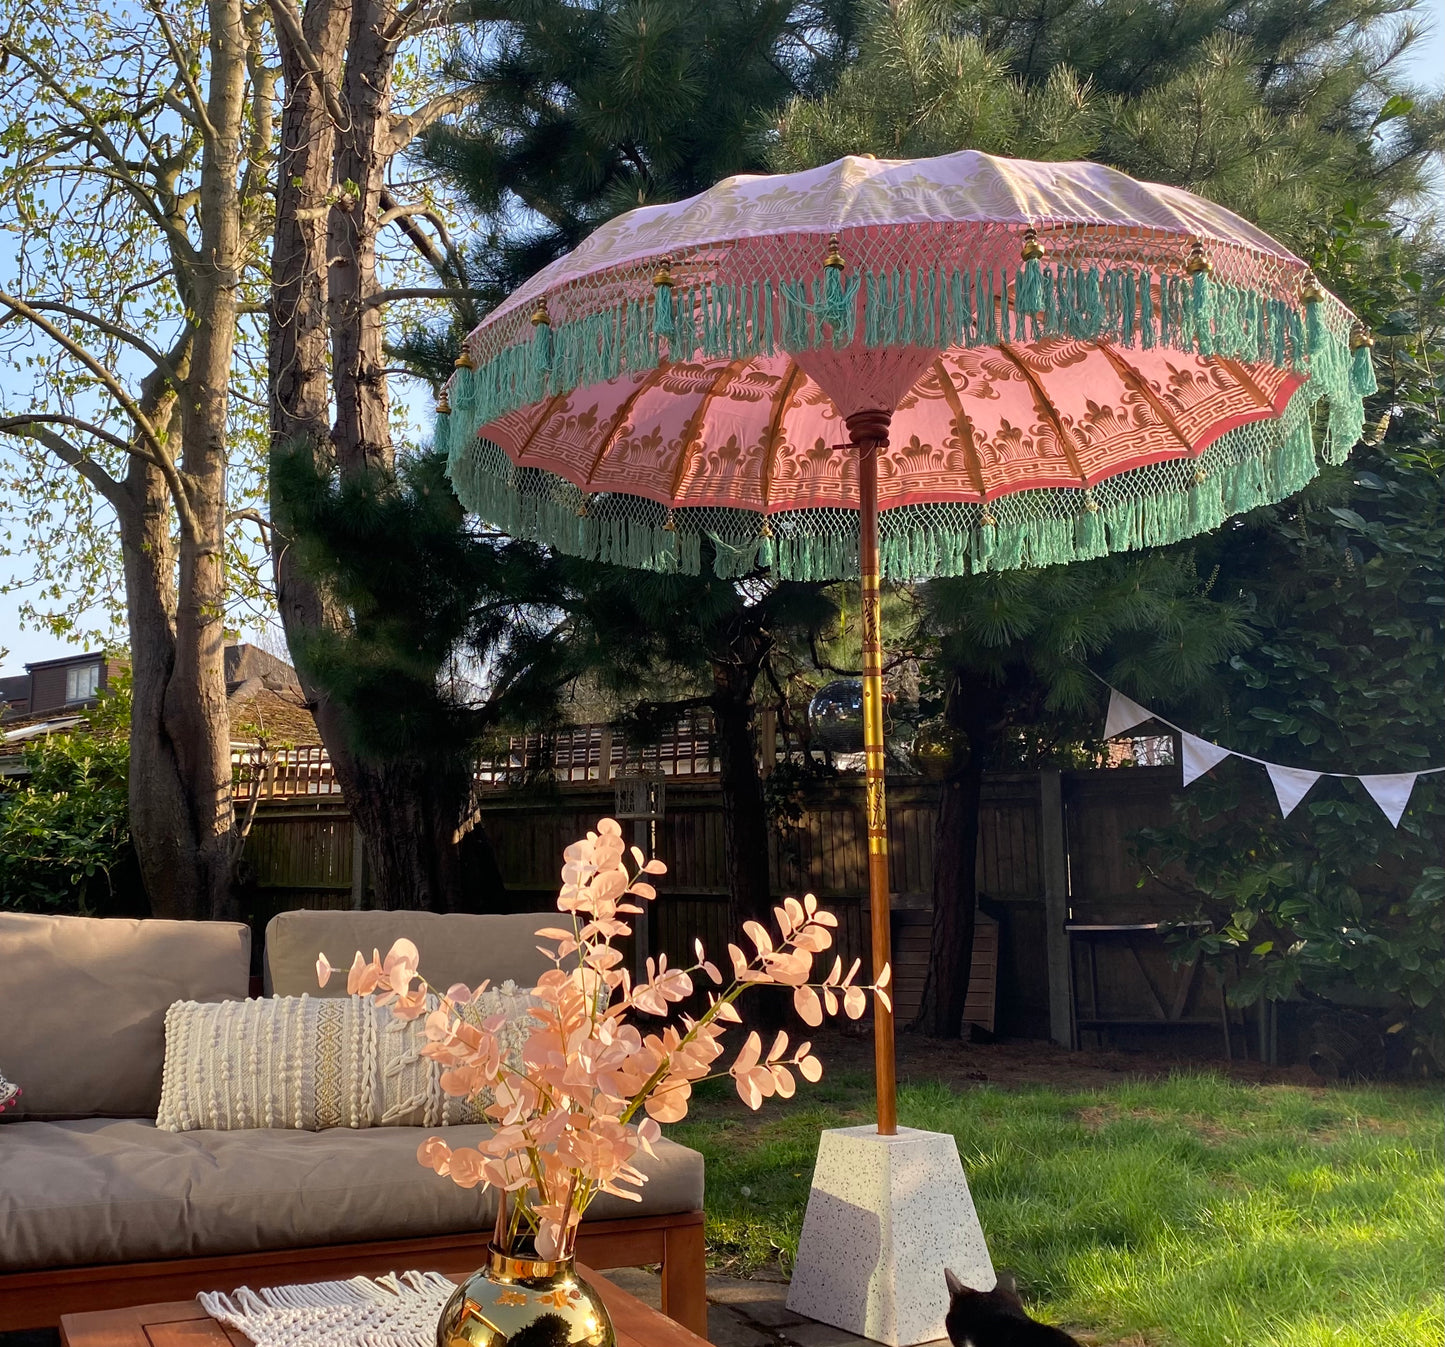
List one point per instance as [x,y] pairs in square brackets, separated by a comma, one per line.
[885,1216]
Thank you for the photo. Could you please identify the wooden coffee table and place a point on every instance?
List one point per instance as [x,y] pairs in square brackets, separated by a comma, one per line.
[183,1323]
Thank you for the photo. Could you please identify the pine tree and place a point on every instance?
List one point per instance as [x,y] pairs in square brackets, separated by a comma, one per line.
[453,633]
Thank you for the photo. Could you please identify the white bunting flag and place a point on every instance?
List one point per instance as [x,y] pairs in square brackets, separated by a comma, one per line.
[1123,714]
[1291,785]
[1200,755]
[1391,792]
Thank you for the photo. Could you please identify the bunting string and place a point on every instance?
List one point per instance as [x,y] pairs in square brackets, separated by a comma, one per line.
[1390,790]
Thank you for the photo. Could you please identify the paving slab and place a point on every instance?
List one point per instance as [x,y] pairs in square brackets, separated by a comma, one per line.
[725,1290]
[726,1327]
[809,1334]
[641,1282]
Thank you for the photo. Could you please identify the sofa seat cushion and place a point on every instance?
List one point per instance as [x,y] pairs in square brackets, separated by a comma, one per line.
[121,1191]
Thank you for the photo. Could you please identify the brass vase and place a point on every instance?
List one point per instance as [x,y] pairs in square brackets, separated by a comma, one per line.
[521,1301]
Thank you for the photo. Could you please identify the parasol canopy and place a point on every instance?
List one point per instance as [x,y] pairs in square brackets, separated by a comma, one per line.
[1074,362]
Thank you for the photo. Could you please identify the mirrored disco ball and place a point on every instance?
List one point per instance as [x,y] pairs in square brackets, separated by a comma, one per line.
[835,716]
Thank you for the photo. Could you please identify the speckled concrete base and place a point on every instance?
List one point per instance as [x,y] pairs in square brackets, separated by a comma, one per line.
[886,1215]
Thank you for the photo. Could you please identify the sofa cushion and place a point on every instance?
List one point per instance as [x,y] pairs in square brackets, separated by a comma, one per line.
[108,1191]
[84,1001]
[454,946]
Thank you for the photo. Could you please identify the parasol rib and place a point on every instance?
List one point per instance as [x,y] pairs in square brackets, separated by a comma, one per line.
[1140,385]
[964,427]
[1048,411]
[547,410]
[774,438]
[694,422]
[1246,381]
[620,419]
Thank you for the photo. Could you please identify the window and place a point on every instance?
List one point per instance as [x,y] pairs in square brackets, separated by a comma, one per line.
[82,682]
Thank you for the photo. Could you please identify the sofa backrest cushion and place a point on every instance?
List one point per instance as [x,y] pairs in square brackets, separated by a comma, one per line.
[454,946]
[83,1002]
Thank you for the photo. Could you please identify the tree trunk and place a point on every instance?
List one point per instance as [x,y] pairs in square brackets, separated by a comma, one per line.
[195,717]
[745,823]
[970,715]
[160,819]
[424,845]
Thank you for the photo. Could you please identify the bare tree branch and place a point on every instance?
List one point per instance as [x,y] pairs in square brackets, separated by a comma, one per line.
[34,428]
[404,130]
[158,454]
[124,334]
[404,218]
[418,292]
[199,115]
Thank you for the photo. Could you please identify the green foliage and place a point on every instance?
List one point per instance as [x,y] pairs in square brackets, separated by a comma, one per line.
[64,839]
[1345,674]
[1277,110]
[1191,1210]
[1345,590]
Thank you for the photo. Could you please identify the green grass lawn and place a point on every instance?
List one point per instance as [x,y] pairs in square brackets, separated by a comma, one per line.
[1189,1212]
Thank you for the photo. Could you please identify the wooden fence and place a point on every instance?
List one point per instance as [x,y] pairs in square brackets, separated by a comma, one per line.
[574,755]
[1077,957]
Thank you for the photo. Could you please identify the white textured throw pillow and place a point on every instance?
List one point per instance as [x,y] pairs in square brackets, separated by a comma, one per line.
[316,1062]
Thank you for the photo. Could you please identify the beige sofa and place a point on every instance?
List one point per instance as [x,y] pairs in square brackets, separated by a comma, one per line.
[99,1209]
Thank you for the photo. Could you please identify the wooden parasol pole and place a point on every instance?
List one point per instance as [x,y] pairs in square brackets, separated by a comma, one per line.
[869,432]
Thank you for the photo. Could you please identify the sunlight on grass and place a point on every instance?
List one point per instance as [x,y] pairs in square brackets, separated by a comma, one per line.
[1195,1211]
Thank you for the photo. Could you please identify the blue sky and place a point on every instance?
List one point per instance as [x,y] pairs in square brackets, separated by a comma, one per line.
[30,645]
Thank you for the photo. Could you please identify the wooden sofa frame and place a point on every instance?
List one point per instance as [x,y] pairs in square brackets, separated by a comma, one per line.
[38,1299]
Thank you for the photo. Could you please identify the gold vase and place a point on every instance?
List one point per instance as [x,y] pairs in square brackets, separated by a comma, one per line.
[514,1301]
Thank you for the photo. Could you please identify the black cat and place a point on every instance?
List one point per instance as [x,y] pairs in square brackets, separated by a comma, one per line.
[995,1318]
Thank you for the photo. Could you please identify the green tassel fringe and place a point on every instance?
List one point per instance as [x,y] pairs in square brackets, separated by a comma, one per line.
[1144,508]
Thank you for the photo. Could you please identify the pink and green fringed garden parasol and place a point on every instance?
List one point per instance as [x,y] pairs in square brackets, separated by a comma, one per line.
[903,369]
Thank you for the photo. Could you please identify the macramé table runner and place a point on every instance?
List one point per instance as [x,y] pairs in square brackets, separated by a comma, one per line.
[398,1310]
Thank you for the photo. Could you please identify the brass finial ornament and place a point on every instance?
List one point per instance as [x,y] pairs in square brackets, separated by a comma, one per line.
[1198,261]
[835,257]
[465,361]
[1200,477]
[1360,338]
[1090,504]
[766,531]
[663,274]
[540,315]
[582,509]
[1032,250]
[1311,291]
[987,518]
[443,406]
[668,524]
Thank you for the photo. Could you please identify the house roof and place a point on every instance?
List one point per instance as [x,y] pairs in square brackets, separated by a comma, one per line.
[89,656]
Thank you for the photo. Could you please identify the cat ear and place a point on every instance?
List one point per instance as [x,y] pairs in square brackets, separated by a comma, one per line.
[955,1287]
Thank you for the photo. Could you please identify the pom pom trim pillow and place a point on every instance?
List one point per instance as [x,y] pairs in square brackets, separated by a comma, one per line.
[312,1063]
